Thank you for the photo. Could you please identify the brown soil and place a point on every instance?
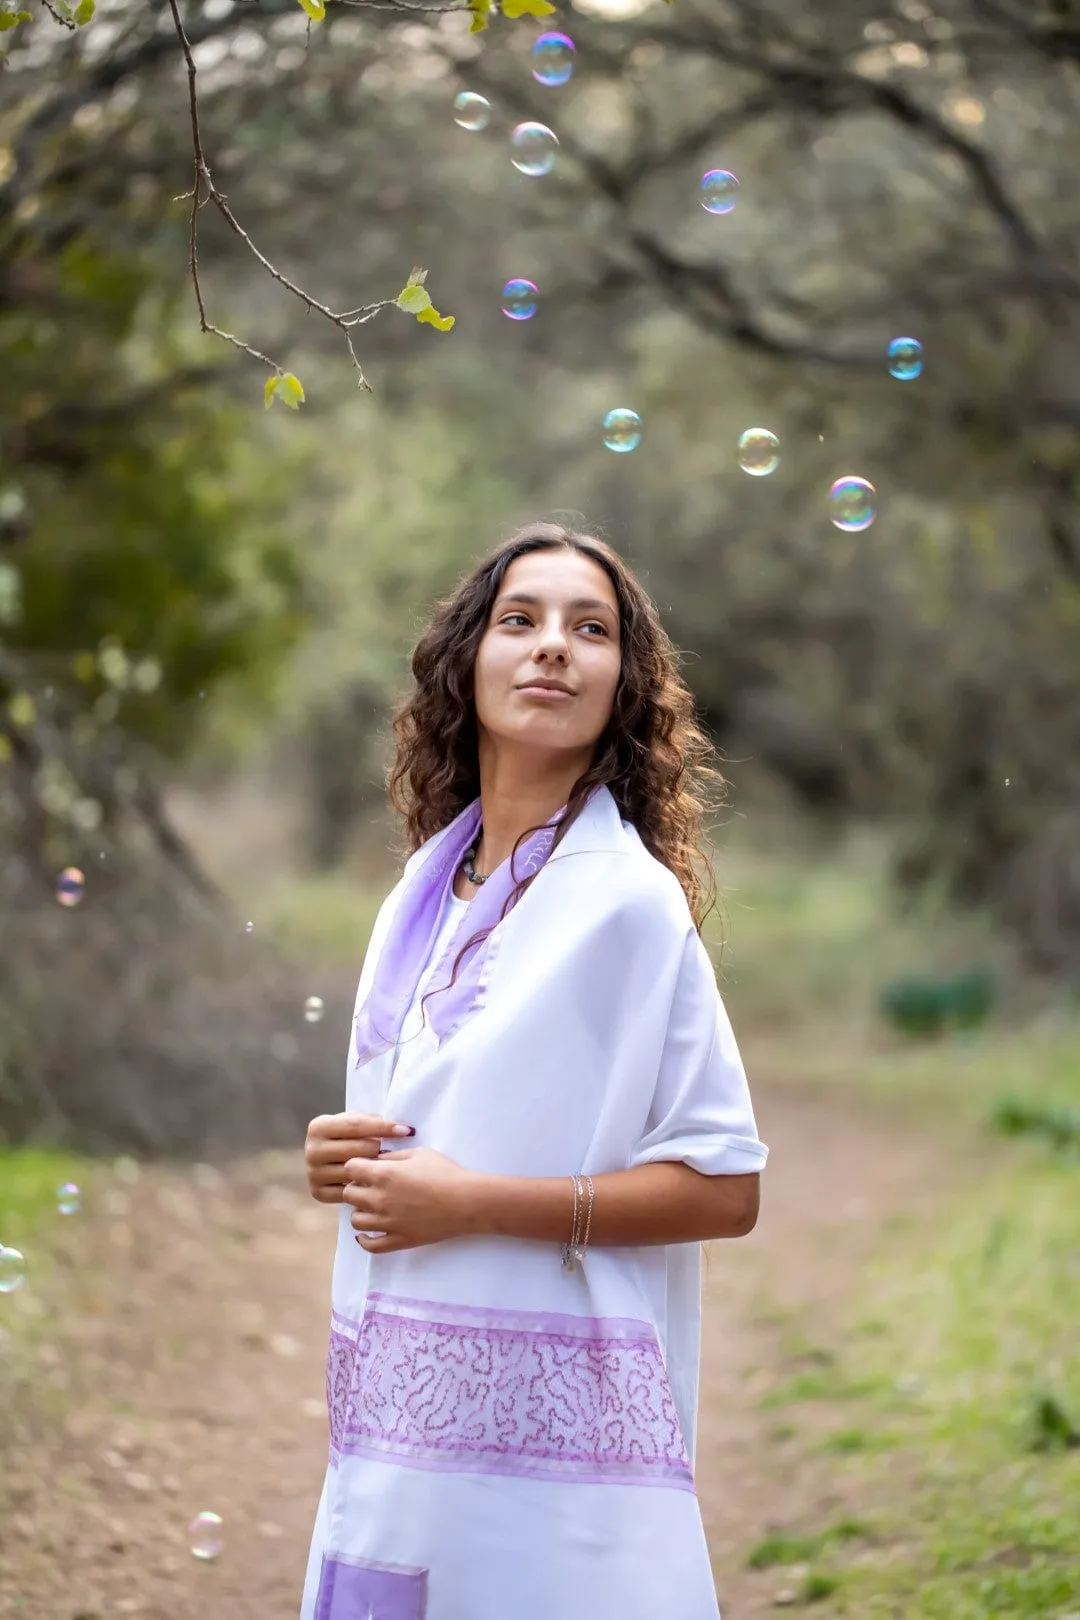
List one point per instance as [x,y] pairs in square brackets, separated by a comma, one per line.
[172,1362]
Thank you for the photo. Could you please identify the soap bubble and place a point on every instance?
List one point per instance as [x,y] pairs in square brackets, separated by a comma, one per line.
[313,1009]
[471,112]
[533,149]
[249,928]
[759,452]
[70,886]
[553,59]
[520,299]
[622,430]
[854,504]
[205,1537]
[905,358]
[719,191]
[12,1270]
[68,1199]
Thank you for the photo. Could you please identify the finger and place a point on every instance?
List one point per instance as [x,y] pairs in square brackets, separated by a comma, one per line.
[363,1170]
[353,1126]
[398,1153]
[336,1150]
[382,1245]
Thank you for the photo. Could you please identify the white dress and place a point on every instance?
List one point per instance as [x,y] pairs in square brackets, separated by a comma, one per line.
[509,1441]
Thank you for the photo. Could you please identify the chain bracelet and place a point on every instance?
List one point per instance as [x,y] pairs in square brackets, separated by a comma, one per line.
[569,1248]
[574,1251]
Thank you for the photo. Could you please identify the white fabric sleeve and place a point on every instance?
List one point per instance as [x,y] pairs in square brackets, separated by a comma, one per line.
[701,1112]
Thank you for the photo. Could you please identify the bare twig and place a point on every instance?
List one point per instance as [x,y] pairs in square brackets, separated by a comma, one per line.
[204,190]
[65,22]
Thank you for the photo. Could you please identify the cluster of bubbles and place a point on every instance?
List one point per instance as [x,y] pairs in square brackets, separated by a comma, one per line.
[313,1009]
[13,1261]
[534,149]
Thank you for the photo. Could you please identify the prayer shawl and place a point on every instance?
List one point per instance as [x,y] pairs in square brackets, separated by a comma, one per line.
[510,1441]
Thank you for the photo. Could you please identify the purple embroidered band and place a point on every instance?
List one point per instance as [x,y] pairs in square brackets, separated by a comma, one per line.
[414,925]
[462,1389]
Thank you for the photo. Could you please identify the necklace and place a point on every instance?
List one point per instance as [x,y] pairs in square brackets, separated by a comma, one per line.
[470,855]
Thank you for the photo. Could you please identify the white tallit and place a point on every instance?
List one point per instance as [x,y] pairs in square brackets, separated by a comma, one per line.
[509,1441]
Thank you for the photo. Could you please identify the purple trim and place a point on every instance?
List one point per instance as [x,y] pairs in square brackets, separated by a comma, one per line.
[354,1589]
[464,1389]
[413,929]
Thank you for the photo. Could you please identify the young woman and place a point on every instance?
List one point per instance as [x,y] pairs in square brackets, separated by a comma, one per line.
[515,1333]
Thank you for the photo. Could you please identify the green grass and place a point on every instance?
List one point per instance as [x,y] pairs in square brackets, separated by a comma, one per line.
[961,1352]
[29,1180]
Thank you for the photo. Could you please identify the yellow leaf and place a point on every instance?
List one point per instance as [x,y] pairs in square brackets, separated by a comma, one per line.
[287,388]
[316,9]
[12,19]
[413,299]
[479,9]
[527,8]
[83,12]
[21,709]
[442,323]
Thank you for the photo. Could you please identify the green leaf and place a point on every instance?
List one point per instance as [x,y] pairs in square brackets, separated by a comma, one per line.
[287,388]
[12,19]
[527,8]
[83,13]
[413,299]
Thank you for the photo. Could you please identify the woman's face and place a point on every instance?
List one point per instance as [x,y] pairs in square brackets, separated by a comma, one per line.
[555,620]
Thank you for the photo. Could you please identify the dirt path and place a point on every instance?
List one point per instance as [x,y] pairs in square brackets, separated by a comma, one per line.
[173,1389]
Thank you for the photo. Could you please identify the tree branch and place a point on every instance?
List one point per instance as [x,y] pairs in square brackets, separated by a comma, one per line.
[204,190]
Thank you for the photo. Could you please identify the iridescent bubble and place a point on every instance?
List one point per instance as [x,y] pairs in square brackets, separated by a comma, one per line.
[68,1199]
[759,452]
[905,358]
[553,58]
[622,430]
[533,149]
[70,886]
[854,504]
[520,299]
[471,112]
[12,1270]
[205,1536]
[313,1009]
[719,191]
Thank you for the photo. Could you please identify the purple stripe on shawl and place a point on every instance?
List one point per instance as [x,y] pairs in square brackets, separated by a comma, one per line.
[461,1389]
[355,1589]
[413,928]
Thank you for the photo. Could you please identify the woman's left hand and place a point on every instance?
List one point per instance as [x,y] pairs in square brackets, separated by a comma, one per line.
[412,1197]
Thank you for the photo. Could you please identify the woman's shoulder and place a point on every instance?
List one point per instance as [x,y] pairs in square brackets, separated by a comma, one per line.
[629,885]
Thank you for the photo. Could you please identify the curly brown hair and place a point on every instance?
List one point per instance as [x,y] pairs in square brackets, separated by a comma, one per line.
[652,756]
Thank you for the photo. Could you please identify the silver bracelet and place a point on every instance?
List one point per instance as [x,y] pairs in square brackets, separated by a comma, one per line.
[569,1248]
[575,1249]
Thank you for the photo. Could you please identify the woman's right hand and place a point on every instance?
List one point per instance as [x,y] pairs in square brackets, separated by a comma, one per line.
[332,1140]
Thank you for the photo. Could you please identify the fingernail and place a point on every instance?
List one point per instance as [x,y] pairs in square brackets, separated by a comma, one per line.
[403,1130]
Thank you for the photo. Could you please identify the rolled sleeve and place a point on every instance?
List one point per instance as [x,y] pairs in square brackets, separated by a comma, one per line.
[701,1113]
